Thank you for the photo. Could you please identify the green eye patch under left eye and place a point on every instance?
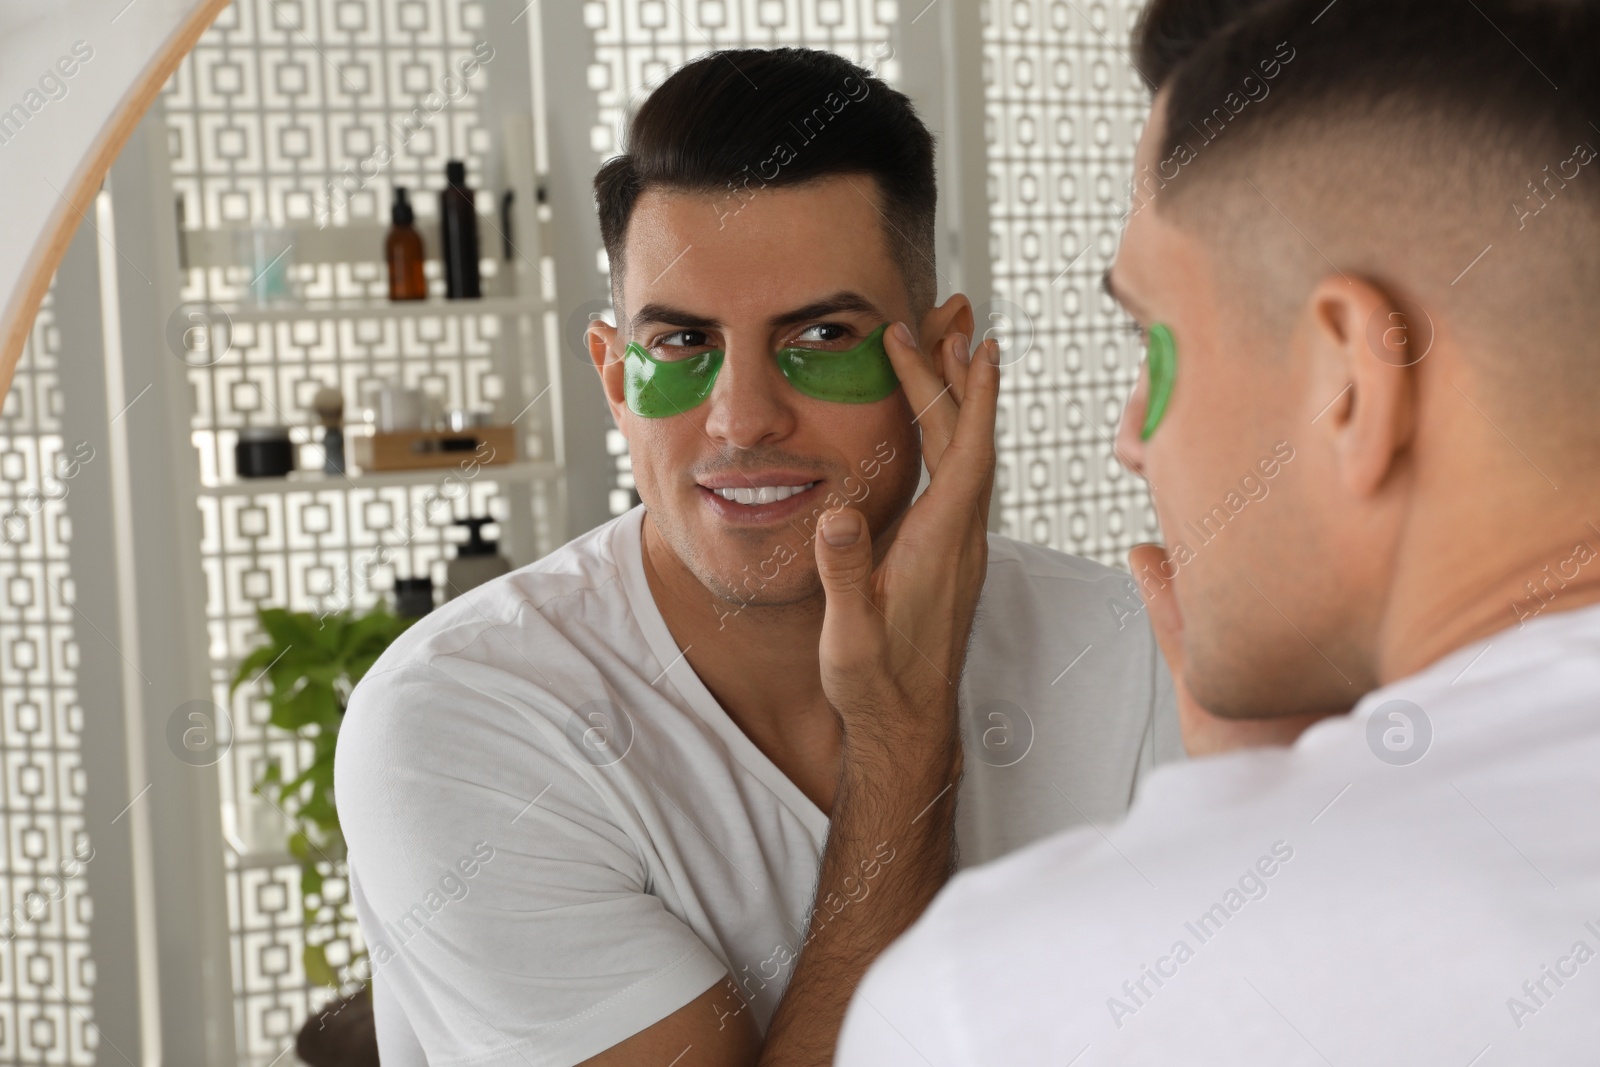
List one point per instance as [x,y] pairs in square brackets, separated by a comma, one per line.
[859,375]
[1161,359]
[656,388]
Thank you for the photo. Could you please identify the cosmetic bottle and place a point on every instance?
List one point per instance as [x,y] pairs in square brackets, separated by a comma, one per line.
[458,235]
[328,403]
[263,452]
[477,560]
[413,597]
[403,250]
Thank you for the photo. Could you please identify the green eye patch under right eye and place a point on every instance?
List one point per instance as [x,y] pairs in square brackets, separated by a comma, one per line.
[656,388]
[1161,358]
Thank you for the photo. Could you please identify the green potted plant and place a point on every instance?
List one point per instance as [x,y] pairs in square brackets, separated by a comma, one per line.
[308,666]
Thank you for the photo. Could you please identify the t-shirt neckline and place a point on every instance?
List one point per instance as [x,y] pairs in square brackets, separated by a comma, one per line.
[628,551]
[1486,657]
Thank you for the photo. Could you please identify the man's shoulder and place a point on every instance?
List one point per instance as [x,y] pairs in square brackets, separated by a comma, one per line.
[1010,558]
[1058,597]
[1191,822]
[537,601]
[511,651]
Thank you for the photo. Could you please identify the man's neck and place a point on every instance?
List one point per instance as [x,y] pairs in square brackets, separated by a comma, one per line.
[759,662]
[1491,571]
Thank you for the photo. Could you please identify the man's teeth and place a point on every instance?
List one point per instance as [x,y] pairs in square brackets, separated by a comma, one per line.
[767,494]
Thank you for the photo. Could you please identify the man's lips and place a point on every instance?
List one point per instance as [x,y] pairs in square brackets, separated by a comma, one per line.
[757,479]
[760,504]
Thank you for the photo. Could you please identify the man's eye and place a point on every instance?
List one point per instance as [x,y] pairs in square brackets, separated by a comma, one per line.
[680,344]
[823,333]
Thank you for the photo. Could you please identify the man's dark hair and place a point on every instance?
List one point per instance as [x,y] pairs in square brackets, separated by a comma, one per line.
[1399,141]
[715,124]
[1168,31]
[1520,71]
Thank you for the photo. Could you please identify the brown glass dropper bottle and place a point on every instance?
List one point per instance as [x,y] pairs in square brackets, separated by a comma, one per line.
[403,250]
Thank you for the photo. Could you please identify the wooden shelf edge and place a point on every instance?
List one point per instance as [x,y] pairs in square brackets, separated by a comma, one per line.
[522,469]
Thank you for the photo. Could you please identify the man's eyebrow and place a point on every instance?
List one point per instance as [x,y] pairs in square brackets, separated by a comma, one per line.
[842,302]
[665,313]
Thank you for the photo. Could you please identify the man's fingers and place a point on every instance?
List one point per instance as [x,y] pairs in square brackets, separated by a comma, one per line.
[956,359]
[1150,570]
[965,478]
[933,408]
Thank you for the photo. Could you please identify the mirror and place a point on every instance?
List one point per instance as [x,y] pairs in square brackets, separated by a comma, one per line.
[75,78]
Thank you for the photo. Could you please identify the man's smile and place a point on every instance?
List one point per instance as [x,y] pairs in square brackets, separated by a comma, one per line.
[757,499]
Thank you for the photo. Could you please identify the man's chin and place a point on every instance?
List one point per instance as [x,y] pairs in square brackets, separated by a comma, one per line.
[750,591]
[1250,696]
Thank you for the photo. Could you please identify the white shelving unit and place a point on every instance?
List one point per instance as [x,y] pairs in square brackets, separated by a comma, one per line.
[277,100]
[432,307]
[316,481]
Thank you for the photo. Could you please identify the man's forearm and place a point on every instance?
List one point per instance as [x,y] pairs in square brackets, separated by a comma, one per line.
[891,847]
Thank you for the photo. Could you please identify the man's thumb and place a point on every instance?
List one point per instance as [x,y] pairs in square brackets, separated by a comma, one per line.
[844,563]
[1152,573]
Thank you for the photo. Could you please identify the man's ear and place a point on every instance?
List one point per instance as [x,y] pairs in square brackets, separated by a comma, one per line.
[605,352]
[952,316]
[1364,347]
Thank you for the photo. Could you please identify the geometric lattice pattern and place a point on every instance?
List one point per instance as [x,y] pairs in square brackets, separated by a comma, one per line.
[313,110]
[308,113]
[271,371]
[1064,108]
[638,43]
[46,974]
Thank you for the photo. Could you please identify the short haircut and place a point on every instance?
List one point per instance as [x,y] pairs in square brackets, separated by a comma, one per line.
[1502,65]
[1399,140]
[1168,31]
[714,127]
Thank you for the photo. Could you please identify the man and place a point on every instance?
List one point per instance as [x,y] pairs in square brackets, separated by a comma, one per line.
[609,809]
[1379,278]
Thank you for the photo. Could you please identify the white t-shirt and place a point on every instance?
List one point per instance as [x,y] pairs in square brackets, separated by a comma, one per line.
[557,837]
[1379,893]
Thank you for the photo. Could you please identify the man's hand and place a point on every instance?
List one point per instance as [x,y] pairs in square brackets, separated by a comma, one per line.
[1203,733]
[894,637]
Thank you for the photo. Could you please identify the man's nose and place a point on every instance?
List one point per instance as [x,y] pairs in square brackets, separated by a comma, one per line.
[750,402]
[1130,448]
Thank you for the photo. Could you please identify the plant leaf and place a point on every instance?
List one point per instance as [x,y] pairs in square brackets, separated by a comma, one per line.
[252,663]
[313,702]
[286,628]
[315,959]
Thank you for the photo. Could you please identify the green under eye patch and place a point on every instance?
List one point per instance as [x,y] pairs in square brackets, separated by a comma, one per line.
[859,375]
[656,388]
[1161,357]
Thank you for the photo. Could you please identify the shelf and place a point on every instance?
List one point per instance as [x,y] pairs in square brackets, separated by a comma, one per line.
[300,481]
[255,861]
[291,311]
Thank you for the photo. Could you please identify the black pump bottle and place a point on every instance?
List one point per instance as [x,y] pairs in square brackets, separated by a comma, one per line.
[458,235]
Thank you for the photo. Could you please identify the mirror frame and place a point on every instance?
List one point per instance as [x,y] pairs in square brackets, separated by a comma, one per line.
[55,232]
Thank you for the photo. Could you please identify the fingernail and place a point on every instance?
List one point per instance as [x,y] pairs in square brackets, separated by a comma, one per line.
[963,345]
[994,352]
[902,333]
[842,530]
